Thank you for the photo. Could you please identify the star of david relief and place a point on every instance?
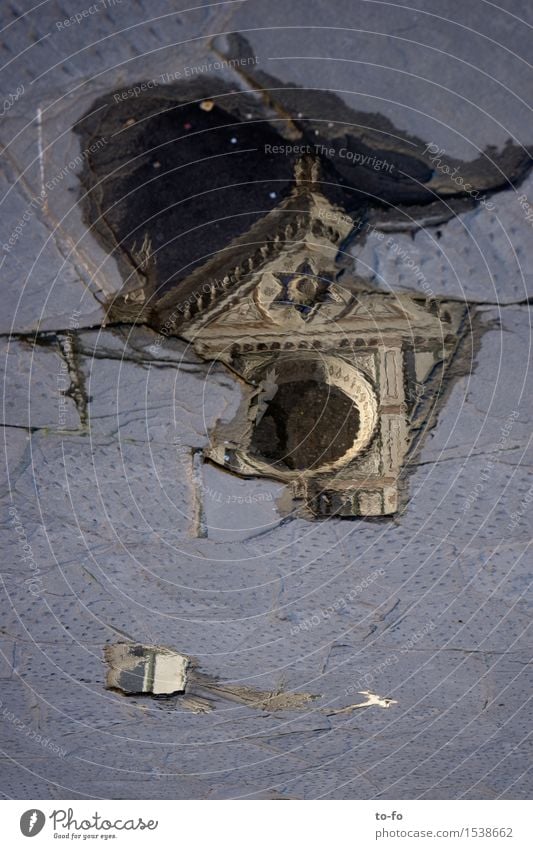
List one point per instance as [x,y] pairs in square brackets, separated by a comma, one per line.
[333,380]
[302,290]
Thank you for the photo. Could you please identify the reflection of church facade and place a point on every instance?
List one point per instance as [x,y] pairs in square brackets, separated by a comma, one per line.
[331,378]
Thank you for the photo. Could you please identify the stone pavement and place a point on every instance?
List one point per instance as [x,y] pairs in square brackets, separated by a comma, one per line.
[113,531]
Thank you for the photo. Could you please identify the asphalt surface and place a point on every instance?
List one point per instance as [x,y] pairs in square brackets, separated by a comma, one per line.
[111,531]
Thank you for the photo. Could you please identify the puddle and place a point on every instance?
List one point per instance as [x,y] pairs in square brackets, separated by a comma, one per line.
[173,184]
[174,178]
[158,671]
[229,213]
[372,143]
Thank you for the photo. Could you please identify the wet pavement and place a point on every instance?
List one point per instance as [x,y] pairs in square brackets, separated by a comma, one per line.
[412,630]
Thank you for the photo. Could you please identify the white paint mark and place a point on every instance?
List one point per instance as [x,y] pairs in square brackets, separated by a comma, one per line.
[199,523]
[371,699]
[40,150]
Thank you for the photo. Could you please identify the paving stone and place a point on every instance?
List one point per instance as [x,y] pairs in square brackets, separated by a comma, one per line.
[42,291]
[38,380]
[250,504]
[481,256]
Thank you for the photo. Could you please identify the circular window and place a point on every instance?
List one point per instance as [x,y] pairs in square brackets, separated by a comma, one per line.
[307,424]
[312,415]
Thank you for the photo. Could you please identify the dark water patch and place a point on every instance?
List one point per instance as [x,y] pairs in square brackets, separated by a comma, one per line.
[307,424]
[177,176]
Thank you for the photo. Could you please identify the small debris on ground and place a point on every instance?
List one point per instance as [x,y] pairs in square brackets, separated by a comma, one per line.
[136,669]
[371,699]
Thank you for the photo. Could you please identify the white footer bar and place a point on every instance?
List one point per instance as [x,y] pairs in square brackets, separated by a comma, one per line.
[266,824]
